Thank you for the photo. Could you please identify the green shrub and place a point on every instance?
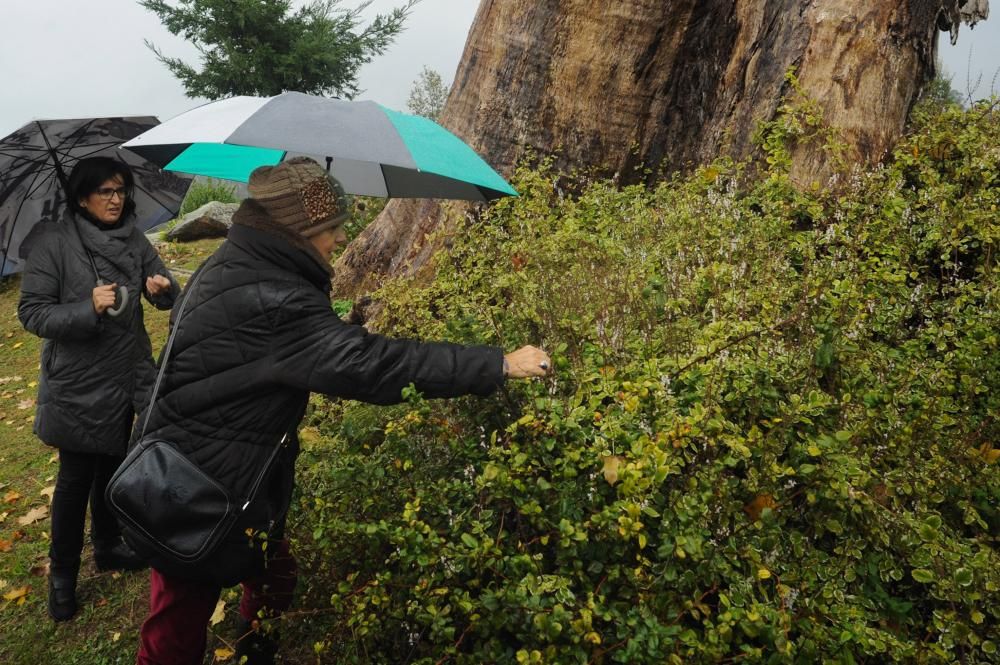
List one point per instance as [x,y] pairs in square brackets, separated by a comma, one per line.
[769,437]
[201,193]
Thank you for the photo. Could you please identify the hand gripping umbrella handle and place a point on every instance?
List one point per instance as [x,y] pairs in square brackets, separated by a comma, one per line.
[121,300]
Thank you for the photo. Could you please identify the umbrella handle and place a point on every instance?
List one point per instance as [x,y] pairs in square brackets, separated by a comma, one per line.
[121,300]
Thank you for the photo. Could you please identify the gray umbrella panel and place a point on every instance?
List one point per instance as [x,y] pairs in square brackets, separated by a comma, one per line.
[369,156]
[304,124]
[30,190]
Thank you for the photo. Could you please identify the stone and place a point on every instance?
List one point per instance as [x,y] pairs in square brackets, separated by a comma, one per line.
[211,220]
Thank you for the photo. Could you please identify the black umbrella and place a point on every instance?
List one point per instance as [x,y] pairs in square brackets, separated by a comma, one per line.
[36,159]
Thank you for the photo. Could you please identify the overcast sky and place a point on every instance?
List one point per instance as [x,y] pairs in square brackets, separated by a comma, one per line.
[82,58]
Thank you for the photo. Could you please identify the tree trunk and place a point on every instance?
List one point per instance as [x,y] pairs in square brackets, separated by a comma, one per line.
[639,88]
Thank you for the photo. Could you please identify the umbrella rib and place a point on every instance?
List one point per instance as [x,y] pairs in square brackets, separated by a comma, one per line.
[23,160]
[77,135]
[35,188]
[17,154]
[100,148]
[55,161]
[385,179]
[69,154]
[23,148]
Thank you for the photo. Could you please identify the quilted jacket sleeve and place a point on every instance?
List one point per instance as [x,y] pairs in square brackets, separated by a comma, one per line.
[39,308]
[329,356]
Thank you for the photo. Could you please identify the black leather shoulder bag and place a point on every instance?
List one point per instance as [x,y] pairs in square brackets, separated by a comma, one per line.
[171,512]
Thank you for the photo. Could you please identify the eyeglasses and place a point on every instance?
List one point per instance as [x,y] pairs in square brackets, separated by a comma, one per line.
[107,192]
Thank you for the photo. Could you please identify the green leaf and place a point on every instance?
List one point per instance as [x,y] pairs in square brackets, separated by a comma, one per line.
[470,540]
[963,577]
[923,575]
[342,307]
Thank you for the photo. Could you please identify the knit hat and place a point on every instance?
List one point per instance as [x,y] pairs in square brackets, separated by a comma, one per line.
[300,195]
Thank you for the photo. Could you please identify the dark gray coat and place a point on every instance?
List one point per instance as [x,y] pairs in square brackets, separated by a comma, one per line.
[96,371]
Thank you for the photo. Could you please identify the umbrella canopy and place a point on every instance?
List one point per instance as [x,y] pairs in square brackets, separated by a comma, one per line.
[371,150]
[36,159]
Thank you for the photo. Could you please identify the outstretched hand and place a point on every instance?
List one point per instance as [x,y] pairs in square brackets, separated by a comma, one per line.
[526,362]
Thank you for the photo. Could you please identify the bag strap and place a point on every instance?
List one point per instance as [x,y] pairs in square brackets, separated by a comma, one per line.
[159,376]
[166,350]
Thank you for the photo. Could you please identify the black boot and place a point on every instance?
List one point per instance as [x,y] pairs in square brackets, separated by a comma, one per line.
[62,596]
[117,556]
[256,646]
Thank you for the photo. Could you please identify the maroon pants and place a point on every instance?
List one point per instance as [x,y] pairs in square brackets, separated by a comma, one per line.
[179,610]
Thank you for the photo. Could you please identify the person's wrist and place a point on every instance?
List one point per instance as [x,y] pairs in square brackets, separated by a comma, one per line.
[506,367]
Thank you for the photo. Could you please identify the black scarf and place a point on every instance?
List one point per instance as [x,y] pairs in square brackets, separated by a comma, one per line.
[115,257]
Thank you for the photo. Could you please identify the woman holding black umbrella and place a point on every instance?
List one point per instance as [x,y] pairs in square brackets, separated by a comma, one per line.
[80,293]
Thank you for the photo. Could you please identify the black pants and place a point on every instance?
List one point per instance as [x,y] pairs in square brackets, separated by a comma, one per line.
[81,475]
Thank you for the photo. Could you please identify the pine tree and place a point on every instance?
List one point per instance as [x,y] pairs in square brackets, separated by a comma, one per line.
[258,47]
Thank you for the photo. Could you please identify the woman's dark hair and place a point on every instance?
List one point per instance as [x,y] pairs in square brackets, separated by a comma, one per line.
[89,174]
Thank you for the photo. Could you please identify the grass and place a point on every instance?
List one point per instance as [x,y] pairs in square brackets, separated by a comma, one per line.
[112,605]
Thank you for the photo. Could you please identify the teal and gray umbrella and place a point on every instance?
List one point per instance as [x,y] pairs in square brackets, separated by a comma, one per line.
[370,149]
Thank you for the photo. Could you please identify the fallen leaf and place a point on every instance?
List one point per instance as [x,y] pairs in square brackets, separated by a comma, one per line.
[11,497]
[757,506]
[116,637]
[16,594]
[41,570]
[25,404]
[54,458]
[610,470]
[223,654]
[17,535]
[101,602]
[6,546]
[3,516]
[33,384]
[34,515]
[17,345]
[219,614]
[48,492]
[3,584]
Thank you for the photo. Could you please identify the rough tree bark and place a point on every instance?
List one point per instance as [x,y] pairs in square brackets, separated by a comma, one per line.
[623,85]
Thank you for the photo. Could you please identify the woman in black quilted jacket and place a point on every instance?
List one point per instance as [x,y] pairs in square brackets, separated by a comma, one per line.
[96,369]
[256,336]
